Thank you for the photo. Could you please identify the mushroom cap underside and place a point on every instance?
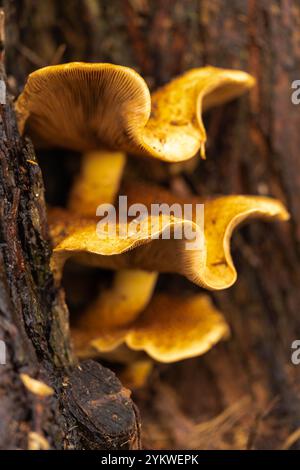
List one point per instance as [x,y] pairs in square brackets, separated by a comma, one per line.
[85,106]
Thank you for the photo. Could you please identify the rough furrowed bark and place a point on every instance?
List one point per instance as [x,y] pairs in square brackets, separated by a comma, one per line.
[34,325]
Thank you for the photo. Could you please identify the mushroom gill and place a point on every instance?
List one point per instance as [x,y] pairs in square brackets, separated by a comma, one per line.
[85,107]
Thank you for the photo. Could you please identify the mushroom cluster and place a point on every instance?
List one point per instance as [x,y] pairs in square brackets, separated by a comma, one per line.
[105,112]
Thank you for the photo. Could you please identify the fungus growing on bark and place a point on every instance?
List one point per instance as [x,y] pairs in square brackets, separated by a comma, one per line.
[116,315]
[85,107]
[105,110]
[116,312]
[169,329]
[120,305]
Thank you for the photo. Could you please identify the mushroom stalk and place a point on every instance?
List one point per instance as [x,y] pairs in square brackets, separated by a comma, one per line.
[122,303]
[98,181]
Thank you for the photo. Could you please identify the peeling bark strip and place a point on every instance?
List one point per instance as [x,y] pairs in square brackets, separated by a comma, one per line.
[34,325]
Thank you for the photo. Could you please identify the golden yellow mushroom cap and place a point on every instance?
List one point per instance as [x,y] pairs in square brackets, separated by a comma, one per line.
[90,106]
[208,263]
[170,329]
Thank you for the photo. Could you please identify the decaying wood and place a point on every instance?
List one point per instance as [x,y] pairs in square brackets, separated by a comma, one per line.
[34,326]
[104,416]
[253,148]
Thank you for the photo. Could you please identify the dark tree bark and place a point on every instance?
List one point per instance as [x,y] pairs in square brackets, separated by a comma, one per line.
[249,382]
[89,408]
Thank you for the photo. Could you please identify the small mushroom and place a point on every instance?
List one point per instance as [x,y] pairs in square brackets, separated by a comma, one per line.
[90,106]
[170,329]
[176,328]
[122,303]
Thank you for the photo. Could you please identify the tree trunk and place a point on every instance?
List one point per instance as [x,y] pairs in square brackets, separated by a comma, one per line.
[89,408]
[245,392]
